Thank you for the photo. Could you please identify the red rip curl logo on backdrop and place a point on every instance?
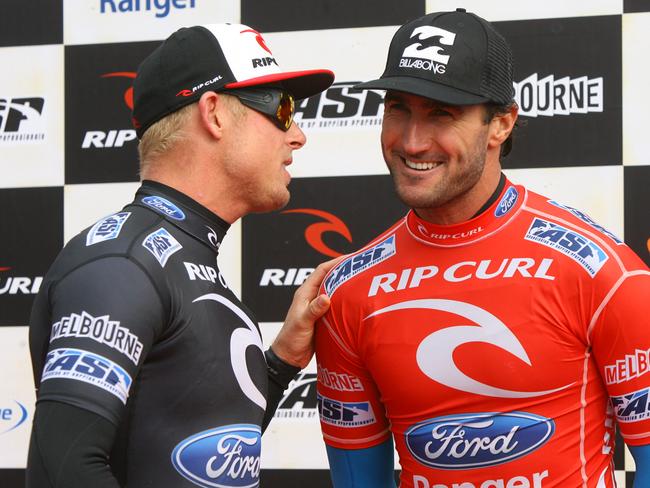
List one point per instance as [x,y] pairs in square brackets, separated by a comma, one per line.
[314,232]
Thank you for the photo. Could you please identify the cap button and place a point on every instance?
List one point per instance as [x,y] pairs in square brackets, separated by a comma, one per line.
[461,10]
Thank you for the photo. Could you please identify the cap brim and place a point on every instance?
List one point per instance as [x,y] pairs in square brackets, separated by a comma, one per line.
[424,88]
[301,84]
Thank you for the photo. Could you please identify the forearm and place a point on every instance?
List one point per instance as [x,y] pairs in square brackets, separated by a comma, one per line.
[641,456]
[279,375]
[69,449]
[371,467]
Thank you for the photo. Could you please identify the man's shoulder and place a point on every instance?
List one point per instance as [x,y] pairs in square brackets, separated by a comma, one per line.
[572,231]
[354,265]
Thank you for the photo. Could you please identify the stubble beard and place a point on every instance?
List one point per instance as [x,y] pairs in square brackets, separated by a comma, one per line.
[450,186]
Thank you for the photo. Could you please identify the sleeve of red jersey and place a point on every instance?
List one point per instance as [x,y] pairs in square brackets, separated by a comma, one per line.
[620,340]
[351,413]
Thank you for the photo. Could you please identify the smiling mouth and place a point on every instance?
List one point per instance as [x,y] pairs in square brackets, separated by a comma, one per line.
[420,166]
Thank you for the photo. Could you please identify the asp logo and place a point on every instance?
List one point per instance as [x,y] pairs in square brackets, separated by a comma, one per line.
[21,121]
[299,400]
[113,137]
[358,263]
[340,107]
[162,245]
[18,285]
[90,368]
[160,8]
[632,407]
[427,52]
[345,414]
[549,96]
[582,250]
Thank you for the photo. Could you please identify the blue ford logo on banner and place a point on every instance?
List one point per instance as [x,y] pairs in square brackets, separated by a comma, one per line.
[476,440]
[225,457]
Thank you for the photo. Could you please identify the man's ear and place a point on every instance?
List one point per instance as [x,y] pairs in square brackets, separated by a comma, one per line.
[501,126]
[212,112]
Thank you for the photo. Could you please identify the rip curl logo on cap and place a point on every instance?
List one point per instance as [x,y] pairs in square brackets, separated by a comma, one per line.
[429,46]
[259,39]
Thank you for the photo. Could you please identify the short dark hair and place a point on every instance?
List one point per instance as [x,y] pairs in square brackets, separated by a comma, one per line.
[492,110]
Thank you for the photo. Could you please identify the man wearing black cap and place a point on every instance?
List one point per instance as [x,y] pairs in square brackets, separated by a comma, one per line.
[495,335]
[149,370]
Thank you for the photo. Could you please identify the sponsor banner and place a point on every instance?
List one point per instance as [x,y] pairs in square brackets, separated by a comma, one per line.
[636,6]
[342,125]
[568,87]
[31,116]
[637,210]
[88,205]
[101,144]
[333,14]
[636,45]
[41,23]
[95,21]
[31,230]
[514,10]
[16,397]
[281,249]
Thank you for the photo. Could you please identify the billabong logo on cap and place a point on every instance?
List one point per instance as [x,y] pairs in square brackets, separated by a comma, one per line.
[428,51]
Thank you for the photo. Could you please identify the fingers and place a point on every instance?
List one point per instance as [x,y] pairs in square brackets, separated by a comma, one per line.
[318,306]
[313,281]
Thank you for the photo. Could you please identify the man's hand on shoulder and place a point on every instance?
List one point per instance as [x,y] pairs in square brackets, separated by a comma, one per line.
[294,343]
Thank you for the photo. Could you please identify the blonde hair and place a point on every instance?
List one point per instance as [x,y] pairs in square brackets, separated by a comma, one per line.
[169,131]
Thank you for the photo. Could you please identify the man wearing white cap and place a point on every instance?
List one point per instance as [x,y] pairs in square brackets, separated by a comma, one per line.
[496,336]
[149,370]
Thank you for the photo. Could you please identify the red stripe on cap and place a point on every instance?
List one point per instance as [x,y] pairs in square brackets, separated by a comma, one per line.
[267,79]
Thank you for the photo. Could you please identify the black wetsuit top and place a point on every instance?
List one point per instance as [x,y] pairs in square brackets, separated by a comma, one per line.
[149,370]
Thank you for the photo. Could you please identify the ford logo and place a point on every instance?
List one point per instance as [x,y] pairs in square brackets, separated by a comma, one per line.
[507,202]
[12,418]
[165,207]
[225,457]
[477,440]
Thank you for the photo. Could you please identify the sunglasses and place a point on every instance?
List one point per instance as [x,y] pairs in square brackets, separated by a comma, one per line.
[275,103]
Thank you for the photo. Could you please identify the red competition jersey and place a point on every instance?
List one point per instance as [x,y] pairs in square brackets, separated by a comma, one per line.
[498,352]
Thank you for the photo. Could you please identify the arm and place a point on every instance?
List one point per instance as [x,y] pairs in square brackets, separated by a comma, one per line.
[69,448]
[641,455]
[293,347]
[371,467]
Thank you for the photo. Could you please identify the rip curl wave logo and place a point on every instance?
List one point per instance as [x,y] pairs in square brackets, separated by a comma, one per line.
[314,232]
[225,457]
[477,440]
[435,354]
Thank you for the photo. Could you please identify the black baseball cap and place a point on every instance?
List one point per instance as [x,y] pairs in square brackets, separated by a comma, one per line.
[215,57]
[456,58]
